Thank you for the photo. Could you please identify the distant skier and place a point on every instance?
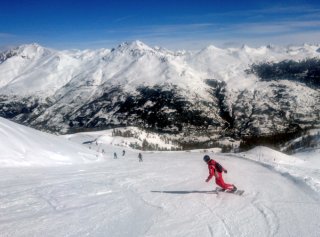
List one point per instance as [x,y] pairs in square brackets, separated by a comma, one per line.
[215,169]
[115,155]
[140,157]
[123,152]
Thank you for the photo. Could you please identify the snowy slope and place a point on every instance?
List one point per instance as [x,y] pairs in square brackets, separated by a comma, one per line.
[132,137]
[23,146]
[304,166]
[165,195]
[310,139]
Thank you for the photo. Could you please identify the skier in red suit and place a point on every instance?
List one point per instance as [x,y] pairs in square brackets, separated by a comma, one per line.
[215,169]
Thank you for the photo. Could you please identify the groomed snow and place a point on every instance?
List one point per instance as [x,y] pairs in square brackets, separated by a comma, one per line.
[304,166]
[165,195]
[24,146]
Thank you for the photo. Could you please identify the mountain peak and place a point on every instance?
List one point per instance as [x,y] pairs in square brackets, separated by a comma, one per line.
[246,47]
[26,51]
[32,47]
[134,46]
[30,50]
[212,47]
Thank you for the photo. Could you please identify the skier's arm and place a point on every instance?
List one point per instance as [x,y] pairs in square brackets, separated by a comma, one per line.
[224,170]
[211,173]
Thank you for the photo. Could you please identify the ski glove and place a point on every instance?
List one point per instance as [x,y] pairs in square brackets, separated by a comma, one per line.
[207,180]
[226,171]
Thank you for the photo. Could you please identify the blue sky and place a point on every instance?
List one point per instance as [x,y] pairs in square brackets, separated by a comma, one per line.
[170,24]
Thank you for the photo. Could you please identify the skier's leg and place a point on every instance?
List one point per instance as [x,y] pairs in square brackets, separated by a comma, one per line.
[222,184]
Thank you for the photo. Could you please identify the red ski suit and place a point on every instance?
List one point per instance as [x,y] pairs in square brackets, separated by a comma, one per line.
[219,179]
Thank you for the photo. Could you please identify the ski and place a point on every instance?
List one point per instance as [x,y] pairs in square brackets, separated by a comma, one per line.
[237,192]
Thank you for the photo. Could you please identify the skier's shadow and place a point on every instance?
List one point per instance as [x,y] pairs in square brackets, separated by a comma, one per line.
[185,192]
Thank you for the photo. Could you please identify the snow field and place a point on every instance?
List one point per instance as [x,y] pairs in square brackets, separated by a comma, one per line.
[23,146]
[165,195]
[303,166]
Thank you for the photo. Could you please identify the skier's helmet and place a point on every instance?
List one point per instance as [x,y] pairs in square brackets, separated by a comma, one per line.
[206,158]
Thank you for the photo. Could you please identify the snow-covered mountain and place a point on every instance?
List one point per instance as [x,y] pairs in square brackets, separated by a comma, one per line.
[309,141]
[213,92]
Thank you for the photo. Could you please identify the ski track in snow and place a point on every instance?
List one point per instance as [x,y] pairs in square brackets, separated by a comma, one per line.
[270,217]
[220,219]
[163,196]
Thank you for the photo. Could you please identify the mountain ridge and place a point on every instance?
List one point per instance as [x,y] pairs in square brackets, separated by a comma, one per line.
[205,92]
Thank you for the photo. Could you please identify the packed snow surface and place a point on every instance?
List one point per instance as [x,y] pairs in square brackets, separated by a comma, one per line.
[303,166]
[24,146]
[165,195]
